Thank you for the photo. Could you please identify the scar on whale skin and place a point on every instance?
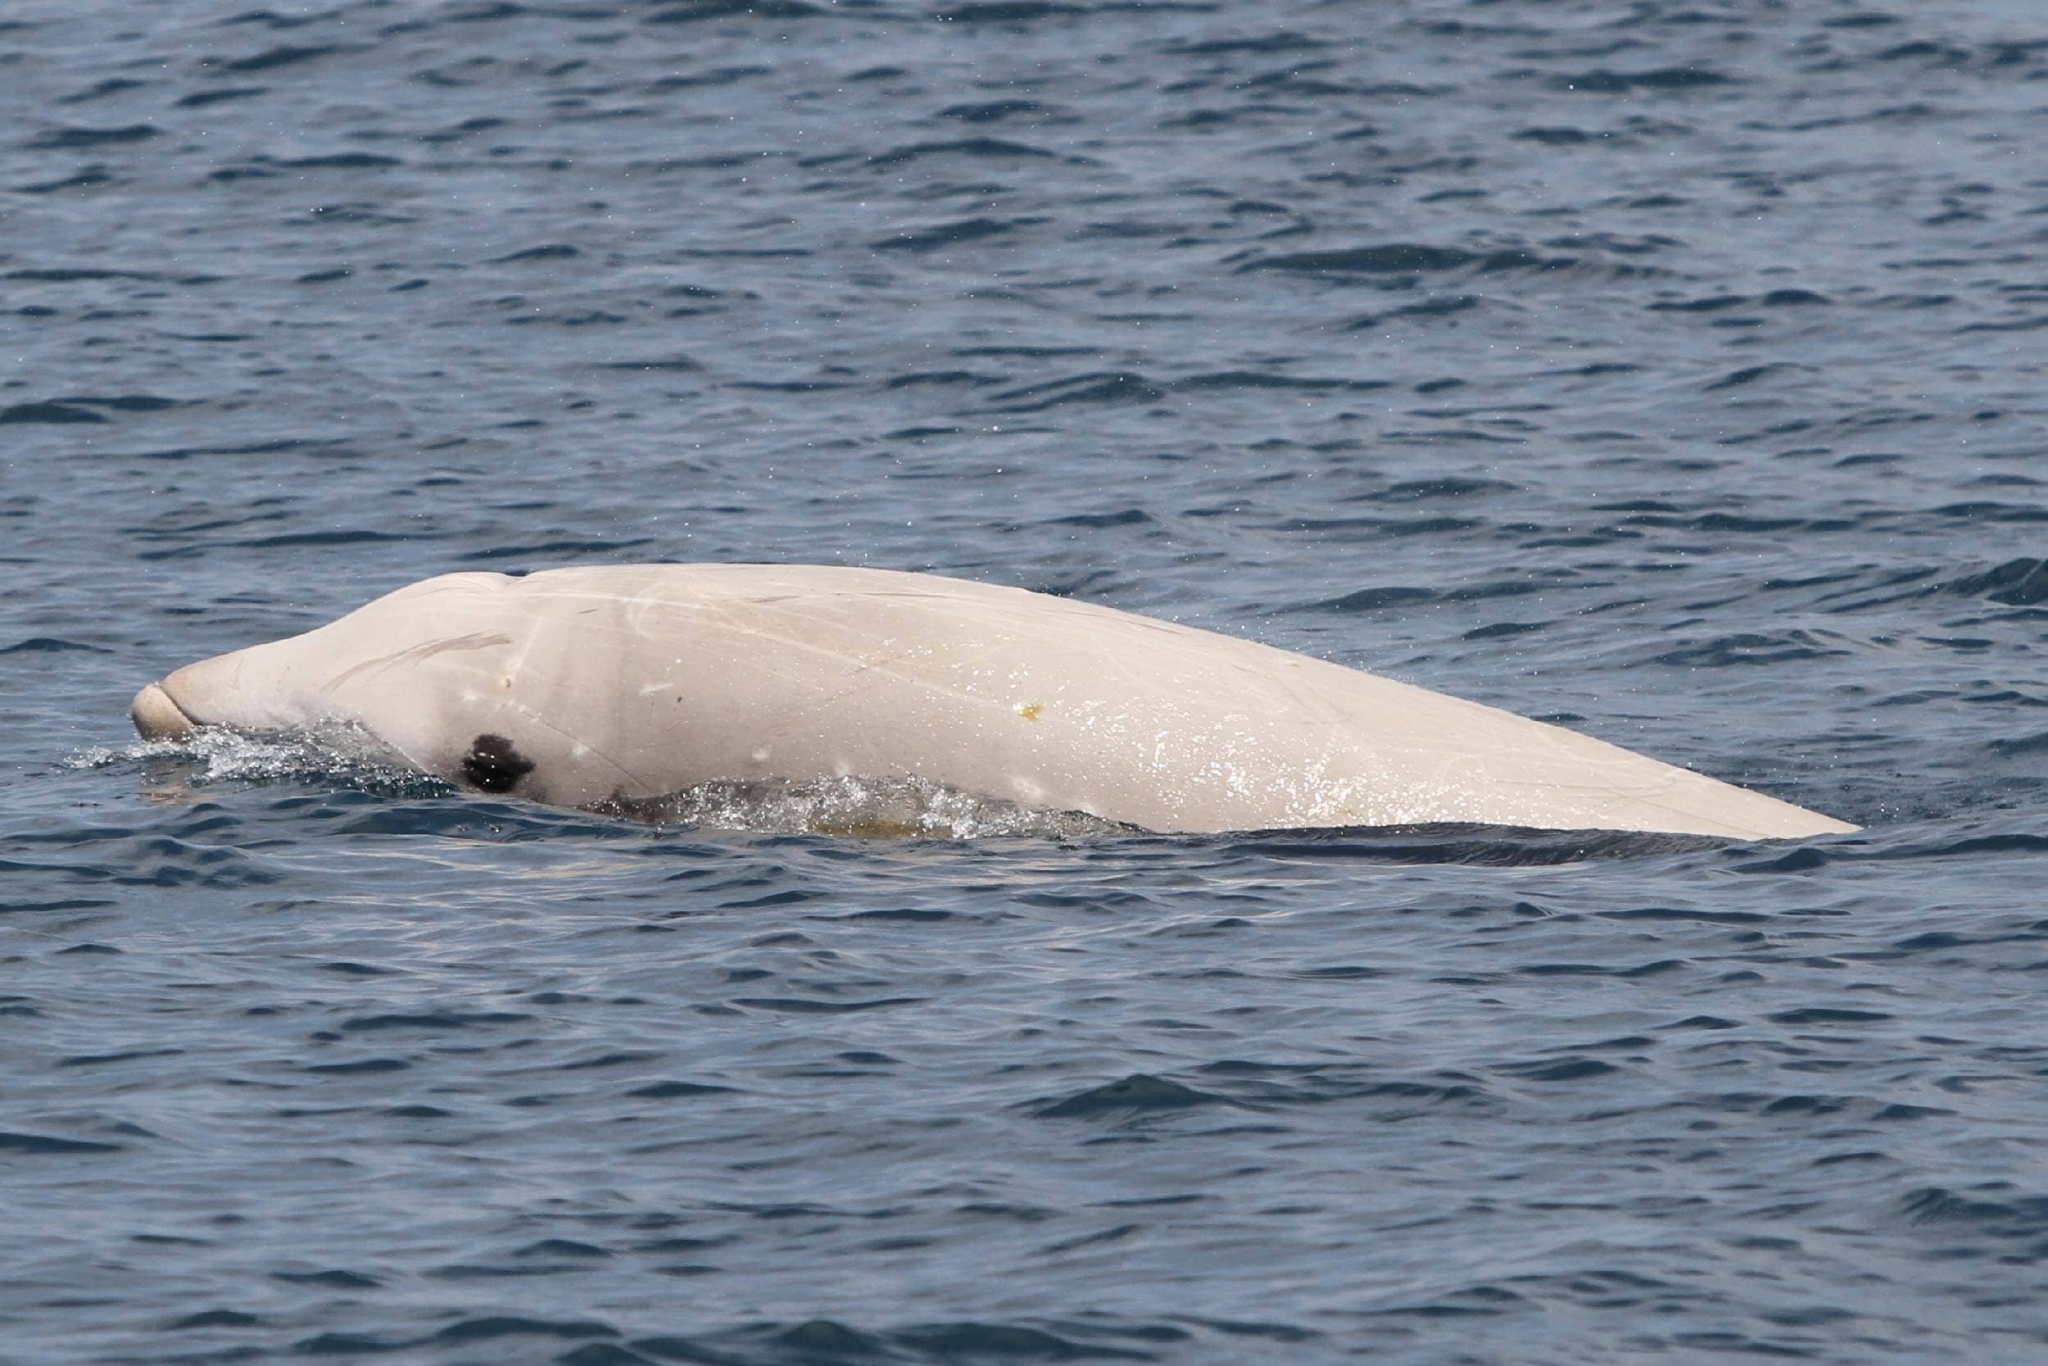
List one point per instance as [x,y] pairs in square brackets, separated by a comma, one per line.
[494,764]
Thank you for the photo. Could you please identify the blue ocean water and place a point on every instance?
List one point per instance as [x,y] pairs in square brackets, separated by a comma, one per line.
[1669,370]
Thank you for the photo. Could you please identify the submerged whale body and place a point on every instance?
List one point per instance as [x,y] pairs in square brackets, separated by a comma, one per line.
[606,685]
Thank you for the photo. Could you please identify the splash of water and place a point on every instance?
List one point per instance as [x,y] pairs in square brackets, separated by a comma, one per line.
[886,808]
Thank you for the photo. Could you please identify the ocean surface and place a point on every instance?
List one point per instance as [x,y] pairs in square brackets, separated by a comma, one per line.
[1673,370]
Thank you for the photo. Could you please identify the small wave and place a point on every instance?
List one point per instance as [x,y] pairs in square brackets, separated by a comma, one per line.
[1137,1093]
[1603,82]
[1748,647]
[2015,583]
[1491,846]
[53,413]
[825,1340]
[1405,258]
[1008,12]
[270,59]
[953,234]
[1105,387]
[992,111]
[979,148]
[73,139]
[734,9]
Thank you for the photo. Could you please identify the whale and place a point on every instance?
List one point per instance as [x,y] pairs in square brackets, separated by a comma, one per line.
[594,686]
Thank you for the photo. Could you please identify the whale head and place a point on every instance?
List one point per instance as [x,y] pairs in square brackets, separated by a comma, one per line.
[432,673]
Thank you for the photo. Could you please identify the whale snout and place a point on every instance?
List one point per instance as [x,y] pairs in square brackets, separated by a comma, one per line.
[157,717]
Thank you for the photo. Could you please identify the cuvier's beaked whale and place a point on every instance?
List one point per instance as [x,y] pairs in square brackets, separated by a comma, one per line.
[578,687]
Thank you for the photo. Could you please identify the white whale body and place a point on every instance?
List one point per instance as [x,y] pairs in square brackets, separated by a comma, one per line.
[587,686]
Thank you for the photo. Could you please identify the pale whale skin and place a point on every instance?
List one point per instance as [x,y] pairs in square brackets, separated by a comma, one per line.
[579,686]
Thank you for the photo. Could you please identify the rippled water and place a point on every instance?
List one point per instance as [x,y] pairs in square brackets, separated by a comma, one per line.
[1670,370]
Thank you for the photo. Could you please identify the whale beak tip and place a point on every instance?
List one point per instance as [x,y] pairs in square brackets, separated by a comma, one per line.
[157,717]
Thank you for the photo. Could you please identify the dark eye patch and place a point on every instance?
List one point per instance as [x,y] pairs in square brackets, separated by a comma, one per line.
[494,764]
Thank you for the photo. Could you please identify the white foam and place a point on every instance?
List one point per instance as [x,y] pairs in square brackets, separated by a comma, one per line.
[902,808]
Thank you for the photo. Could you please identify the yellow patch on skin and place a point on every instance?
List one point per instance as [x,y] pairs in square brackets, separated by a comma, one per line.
[1030,711]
